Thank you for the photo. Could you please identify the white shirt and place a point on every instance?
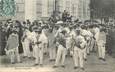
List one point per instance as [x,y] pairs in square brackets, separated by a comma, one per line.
[84,32]
[102,36]
[28,34]
[72,34]
[43,38]
[81,39]
[58,31]
[67,29]
[97,32]
[34,37]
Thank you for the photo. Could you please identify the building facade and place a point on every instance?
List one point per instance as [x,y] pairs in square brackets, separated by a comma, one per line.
[36,9]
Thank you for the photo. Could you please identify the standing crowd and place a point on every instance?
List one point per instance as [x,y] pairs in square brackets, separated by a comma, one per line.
[58,41]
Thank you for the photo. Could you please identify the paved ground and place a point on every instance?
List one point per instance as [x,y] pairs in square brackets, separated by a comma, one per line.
[93,64]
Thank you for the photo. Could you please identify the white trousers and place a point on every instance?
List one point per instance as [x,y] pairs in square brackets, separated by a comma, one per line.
[78,57]
[38,54]
[14,54]
[26,48]
[61,53]
[92,44]
[69,45]
[88,47]
[45,45]
[52,52]
[101,51]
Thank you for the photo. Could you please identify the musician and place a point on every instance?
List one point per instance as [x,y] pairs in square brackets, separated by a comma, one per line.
[61,52]
[52,44]
[79,48]
[26,42]
[41,46]
[101,45]
[12,47]
[35,45]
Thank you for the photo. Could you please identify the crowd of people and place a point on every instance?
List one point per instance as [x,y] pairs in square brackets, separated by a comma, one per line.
[58,41]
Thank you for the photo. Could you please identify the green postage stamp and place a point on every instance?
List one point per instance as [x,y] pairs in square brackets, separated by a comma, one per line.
[7,7]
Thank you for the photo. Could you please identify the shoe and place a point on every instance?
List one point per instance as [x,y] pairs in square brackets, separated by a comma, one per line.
[30,57]
[63,66]
[41,65]
[55,66]
[103,59]
[82,69]
[45,53]
[71,56]
[13,63]
[100,58]
[24,56]
[85,59]
[33,58]
[75,67]
[20,62]
[53,59]
[50,60]
[88,54]
[36,64]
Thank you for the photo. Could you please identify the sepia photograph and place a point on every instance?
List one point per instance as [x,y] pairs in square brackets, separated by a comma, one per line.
[57,35]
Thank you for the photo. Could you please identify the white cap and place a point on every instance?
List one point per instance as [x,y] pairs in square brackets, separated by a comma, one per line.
[59,22]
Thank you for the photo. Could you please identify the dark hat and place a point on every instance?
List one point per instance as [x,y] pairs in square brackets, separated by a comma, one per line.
[63,31]
[36,29]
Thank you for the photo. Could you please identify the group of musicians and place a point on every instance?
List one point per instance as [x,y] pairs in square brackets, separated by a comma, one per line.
[57,41]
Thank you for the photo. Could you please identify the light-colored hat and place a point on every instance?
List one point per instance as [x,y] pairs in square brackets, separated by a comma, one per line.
[59,22]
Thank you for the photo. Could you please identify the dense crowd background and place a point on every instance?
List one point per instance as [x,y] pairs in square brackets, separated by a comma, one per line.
[6,30]
[57,23]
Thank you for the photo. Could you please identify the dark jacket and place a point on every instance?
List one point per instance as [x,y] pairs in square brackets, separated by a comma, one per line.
[12,42]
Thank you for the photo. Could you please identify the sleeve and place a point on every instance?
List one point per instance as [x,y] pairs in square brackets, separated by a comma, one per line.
[83,44]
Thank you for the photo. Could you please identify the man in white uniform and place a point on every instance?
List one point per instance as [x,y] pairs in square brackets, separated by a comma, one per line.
[72,35]
[101,45]
[26,42]
[68,38]
[88,39]
[79,49]
[42,40]
[92,40]
[34,39]
[85,34]
[61,52]
[52,44]
[38,47]
[97,32]
[45,40]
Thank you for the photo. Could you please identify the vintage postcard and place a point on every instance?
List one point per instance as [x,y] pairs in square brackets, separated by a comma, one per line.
[57,35]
